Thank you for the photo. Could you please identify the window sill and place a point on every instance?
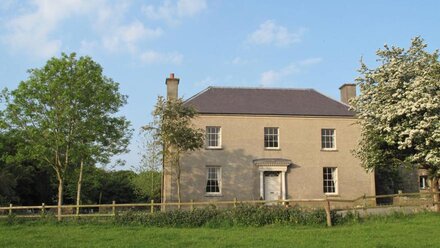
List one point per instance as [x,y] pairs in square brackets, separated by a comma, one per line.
[329,150]
[213,195]
[331,194]
[272,149]
[213,148]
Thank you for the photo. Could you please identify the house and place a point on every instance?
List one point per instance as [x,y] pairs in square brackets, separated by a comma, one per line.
[271,144]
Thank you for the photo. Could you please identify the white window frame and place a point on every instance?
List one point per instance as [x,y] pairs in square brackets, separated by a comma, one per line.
[334,175]
[277,135]
[423,182]
[219,137]
[333,139]
[218,170]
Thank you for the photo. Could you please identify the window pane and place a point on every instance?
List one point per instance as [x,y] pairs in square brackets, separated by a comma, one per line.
[327,138]
[271,138]
[213,136]
[213,182]
[329,180]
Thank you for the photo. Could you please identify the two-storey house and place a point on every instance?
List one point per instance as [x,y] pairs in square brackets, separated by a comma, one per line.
[264,143]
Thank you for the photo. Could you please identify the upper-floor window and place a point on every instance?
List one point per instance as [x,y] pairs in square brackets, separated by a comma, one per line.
[328,139]
[271,138]
[213,137]
[213,180]
[330,180]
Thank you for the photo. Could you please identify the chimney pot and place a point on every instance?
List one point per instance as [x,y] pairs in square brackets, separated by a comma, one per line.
[171,75]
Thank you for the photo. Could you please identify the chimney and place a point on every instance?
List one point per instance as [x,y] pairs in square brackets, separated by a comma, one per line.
[348,91]
[172,87]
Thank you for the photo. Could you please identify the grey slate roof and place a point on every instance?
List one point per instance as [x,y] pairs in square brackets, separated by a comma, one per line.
[266,101]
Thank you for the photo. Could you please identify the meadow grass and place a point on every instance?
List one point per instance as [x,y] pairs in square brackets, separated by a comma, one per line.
[418,230]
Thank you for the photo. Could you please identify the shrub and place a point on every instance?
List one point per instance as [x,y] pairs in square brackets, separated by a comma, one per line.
[242,215]
[175,218]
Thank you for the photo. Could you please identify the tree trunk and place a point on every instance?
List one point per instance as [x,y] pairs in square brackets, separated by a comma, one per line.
[152,185]
[78,190]
[178,186]
[435,196]
[60,197]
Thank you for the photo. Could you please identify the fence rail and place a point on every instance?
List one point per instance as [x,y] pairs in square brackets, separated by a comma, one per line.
[329,203]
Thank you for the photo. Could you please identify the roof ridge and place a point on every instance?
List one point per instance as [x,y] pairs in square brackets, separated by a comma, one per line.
[245,100]
[257,88]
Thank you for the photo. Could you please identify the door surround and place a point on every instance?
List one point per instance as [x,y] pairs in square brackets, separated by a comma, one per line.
[275,165]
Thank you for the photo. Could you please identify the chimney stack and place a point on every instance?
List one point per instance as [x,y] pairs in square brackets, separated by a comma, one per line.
[172,87]
[348,91]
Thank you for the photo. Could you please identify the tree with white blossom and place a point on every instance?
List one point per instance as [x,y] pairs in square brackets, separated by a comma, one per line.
[399,110]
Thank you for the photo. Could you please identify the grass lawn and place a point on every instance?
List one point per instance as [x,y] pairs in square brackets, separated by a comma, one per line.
[421,230]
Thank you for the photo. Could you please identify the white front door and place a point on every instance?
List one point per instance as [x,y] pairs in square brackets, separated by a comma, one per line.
[272,185]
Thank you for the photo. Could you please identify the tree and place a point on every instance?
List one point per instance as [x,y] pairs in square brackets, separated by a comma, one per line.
[66,114]
[102,186]
[22,181]
[173,130]
[148,180]
[399,110]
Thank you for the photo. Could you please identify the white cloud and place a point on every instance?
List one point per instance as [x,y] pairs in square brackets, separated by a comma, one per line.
[173,12]
[31,32]
[311,61]
[119,35]
[270,77]
[153,57]
[128,36]
[271,33]
[273,76]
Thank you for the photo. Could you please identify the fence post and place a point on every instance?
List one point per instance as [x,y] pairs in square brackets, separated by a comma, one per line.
[235,202]
[365,201]
[152,206]
[399,199]
[10,209]
[192,204]
[327,212]
[43,209]
[113,208]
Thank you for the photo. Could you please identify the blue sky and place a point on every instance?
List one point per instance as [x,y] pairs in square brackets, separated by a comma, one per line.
[295,44]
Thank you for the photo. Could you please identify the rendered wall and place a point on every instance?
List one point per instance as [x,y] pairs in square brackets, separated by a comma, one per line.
[300,141]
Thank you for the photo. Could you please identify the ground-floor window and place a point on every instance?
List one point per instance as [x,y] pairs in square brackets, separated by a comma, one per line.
[213,180]
[423,180]
[330,180]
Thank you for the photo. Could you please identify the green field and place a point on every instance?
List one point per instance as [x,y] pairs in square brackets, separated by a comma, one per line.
[421,230]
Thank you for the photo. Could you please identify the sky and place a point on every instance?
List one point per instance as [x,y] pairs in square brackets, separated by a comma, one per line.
[239,43]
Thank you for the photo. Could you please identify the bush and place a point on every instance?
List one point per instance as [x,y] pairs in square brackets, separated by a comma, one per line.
[176,218]
[242,215]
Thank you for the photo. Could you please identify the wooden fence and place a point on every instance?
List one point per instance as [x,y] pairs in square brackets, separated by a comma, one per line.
[329,203]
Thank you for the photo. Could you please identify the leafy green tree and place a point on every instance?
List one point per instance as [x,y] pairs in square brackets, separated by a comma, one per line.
[102,186]
[66,112]
[399,110]
[173,130]
[148,180]
[119,187]
[147,185]
[22,181]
